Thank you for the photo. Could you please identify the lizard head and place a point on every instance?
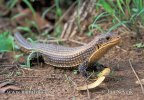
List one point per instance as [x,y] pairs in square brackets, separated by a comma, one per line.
[107,39]
[104,43]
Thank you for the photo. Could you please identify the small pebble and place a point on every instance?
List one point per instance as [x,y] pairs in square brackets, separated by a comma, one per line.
[142,81]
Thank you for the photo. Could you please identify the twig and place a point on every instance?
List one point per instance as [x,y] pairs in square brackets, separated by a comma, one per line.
[121,48]
[70,80]
[7,65]
[69,29]
[65,13]
[142,81]
[142,88]
[1,55]
[88,93]
[73,32]
[89,77]
[78,42]
[5,69]
[64,30]
[70,23]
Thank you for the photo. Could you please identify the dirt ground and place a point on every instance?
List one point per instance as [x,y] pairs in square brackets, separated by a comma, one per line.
[49,83]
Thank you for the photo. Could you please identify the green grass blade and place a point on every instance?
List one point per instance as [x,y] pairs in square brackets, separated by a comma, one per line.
[141,4]
[17,15]
[47,10]
[11,3]
[107,7]
[27,2]
[117,25]
[58,9]
[128,6]
[100,16]
[119,3]
[26,29]
[96,26]
[141,12]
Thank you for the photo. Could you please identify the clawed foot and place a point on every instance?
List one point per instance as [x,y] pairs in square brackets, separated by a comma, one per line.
[83,68]
[34,58]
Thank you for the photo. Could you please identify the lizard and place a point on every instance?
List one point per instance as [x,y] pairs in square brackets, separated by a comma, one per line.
[61,56]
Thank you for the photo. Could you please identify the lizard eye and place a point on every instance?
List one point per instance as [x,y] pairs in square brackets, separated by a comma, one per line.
[108,38]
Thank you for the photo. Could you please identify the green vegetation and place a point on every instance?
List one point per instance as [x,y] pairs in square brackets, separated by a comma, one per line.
[6,42]
[12,3]
[139,45]
[128,13]
[58,11]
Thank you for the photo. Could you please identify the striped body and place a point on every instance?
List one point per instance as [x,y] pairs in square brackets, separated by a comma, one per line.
[61,56]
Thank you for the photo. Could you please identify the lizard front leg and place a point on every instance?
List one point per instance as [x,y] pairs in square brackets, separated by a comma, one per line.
[34,58]
[85,66]
[83,69]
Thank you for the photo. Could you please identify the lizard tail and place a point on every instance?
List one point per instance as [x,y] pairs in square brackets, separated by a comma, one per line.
[22,42]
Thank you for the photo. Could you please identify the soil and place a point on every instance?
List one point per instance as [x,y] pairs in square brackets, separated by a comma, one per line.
[49,83]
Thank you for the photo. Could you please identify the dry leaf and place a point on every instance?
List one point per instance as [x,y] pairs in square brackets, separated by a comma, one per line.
[26,16]
[100,79]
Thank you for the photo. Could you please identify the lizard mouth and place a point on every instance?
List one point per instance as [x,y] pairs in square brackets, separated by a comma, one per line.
[113,41]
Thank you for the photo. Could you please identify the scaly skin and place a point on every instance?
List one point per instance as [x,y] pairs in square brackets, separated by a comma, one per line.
[61,56]
[84,56]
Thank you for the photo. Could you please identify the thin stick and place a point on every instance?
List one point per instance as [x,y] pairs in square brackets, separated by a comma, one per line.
[65,14]
[142,88]
[88,93]
[78,42]
[121,48]
[70,80]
